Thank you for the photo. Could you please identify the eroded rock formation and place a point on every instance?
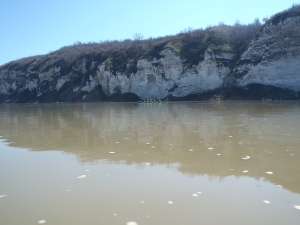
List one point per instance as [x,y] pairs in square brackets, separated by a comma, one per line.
[271,59]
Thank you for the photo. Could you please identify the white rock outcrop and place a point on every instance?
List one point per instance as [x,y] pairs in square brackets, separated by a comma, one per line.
[273,56]
[165,76]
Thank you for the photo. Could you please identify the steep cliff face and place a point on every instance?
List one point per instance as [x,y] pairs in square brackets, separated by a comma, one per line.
[191,64]
[166,75]
[273,56]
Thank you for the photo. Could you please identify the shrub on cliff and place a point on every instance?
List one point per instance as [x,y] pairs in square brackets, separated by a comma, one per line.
[122,56]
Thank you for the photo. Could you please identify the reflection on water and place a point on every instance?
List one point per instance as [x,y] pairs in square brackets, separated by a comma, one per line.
[150,152]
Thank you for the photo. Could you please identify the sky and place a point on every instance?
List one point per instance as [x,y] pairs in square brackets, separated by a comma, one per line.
[35,27]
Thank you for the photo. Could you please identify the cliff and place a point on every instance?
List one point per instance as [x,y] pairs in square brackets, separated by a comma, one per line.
[273,56]
[233,62]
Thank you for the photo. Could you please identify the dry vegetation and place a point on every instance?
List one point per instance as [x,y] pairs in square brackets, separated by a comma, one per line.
[190,44]
[292,30]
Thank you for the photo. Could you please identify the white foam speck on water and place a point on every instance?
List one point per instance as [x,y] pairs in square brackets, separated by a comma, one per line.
[152,146]
[210,148]
[266,201]
[297,207]
[292,154]
[111,152]
[269,172]
[147,163]
[240,143]
[218,154]
[41,221]
[117,142]
[87,170]
[170,144]
[131,223]
[245,171]
[279,185]
[246,157]
[147,143]
[2,196]
[230,136]
[191,150]
[195,195]
[170,202]
[287,150]
[115,214]
[142,202]
[147,216]
[199,192]
[231,169]
[82,176]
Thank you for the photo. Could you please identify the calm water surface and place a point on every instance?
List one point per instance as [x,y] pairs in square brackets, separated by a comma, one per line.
[168,163]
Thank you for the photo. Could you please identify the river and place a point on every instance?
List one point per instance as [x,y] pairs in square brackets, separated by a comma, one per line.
[169,163]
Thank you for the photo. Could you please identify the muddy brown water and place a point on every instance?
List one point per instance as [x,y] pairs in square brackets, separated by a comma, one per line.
[155,163]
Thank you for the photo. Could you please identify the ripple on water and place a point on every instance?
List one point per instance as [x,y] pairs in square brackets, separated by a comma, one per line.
[246,157]
[82,176]
[131,223]
[41,221]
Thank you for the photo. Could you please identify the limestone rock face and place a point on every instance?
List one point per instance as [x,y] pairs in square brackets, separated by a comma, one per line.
[155,78]
[273,56]
[168,75]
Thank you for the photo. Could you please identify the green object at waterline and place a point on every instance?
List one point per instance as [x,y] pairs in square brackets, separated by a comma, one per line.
[149,101]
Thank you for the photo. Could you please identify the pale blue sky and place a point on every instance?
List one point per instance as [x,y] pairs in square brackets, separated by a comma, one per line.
[31,27]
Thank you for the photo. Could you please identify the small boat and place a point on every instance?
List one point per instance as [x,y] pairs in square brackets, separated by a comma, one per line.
[150,101]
